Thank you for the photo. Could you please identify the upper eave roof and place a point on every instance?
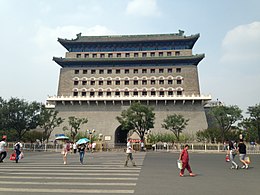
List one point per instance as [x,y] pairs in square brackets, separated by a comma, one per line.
[70,62]
[129,38]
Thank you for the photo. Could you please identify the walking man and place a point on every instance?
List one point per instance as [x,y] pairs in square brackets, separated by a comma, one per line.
[3,146]
[17,149]
[129,151]
[184,157]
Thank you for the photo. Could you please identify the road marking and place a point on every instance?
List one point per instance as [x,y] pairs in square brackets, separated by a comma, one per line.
[78,174]
[69,178]
[66,183]
[71,191]
[77,170]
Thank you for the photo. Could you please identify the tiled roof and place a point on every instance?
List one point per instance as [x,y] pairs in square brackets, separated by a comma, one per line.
[194,59]
[129,38]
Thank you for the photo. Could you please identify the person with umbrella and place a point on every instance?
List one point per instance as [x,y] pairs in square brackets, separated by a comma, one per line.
[65,150]
[66,146]
[82,148]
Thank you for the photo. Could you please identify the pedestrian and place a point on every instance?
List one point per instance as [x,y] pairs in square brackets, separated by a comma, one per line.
[65,150]
[232,151]
[82,150]
[142,145]
[242,153]
[17,149]
[74,148]
[184,158]
[71,147]
[3,146]
[94,144]
[129,153]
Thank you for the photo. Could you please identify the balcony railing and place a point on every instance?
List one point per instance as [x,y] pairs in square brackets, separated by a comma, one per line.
[129,97]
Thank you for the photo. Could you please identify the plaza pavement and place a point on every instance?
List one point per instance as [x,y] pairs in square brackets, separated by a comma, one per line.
[104,173]
[160,175]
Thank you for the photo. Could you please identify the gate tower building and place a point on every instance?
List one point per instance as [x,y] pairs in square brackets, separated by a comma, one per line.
[101,76]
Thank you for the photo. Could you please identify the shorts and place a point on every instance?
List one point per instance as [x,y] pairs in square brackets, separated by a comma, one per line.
[242,156]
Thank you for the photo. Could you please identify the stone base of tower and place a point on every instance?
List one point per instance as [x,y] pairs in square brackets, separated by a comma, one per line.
[102,117]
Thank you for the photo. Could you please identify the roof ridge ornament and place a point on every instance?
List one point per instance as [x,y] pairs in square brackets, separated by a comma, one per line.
[78,35]
[181,32]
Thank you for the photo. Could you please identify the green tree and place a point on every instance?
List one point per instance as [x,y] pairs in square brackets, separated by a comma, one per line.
[253,122]
[2,114]
[49,120]
[226,116]
[175,123]
[21,116]
[75,124]
[138,117]
[254,112]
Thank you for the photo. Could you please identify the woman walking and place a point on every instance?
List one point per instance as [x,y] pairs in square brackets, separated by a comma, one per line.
[184,157]
[82,150]
[232,150]
[242,153]
[65,150]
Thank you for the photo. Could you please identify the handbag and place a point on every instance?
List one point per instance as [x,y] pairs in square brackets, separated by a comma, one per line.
[21,156]
[13,156]
[247,160]
[179,164]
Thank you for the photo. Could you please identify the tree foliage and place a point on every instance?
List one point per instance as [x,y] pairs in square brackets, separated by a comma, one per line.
[138,117]
[252,124]
[75,124]
[175,123]
[49,120]
[226,116]
[19,115]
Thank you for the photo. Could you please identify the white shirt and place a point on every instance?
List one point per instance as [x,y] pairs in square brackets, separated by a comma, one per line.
[128,148]
[2,146]
[74,146]
[94,145]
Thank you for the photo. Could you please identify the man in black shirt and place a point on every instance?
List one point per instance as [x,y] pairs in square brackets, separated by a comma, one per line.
[242,153]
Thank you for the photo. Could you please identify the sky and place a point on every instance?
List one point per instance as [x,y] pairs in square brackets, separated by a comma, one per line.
[229,38]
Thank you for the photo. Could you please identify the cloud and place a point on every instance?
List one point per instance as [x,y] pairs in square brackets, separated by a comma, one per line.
[143,8]
[46,37]
[242,44]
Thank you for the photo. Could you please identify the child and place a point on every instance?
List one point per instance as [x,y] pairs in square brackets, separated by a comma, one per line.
[184,157]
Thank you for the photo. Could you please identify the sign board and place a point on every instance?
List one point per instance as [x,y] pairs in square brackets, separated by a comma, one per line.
[107,138]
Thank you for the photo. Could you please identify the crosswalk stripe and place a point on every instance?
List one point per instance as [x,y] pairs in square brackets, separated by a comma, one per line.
[78,174]
[67,183]
[71,191]
[69,178]
[77,170]
[104,174]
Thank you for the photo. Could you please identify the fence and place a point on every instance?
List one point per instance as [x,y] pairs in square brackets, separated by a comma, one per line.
[51,147]
[159,147]
[199,147]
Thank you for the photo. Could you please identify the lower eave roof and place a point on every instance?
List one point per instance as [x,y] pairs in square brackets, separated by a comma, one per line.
[171,60]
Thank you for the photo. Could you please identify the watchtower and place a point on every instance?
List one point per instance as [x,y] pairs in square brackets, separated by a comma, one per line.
[101,76]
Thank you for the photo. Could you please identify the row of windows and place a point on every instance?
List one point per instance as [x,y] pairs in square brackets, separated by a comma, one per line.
[126,93]
[127,82]
[127,71]
[128,55]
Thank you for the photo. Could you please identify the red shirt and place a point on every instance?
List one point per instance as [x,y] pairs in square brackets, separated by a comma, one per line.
[184,156]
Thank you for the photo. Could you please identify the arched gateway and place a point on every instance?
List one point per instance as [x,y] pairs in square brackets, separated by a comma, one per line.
[120,136]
